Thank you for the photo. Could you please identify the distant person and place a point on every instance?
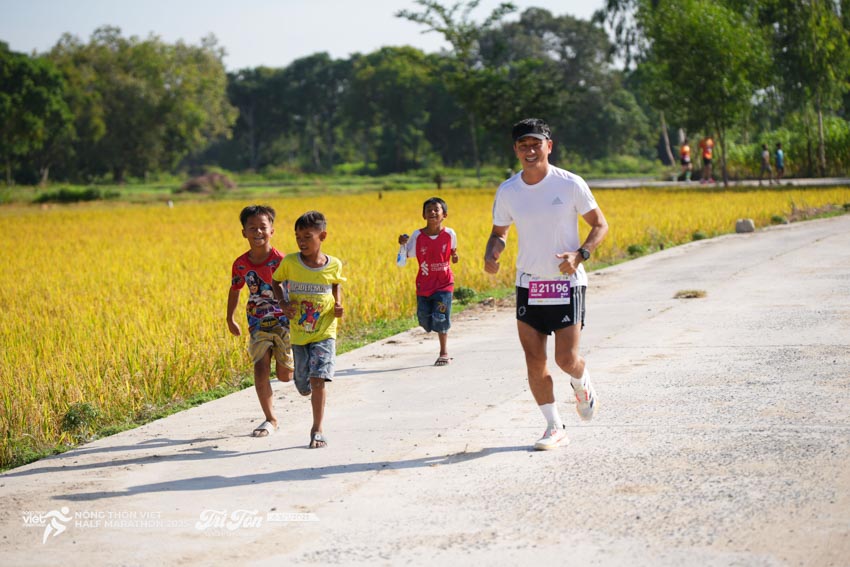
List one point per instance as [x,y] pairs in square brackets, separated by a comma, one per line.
[685,159]
[545,202]
[765,165]
[706,146]
[433,246]
[311,281]
[780,162]
[267,324]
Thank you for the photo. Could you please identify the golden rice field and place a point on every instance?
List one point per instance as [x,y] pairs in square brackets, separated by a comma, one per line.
[123,306]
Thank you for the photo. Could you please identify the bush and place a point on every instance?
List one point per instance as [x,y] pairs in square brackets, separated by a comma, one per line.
[464,294]
[636,249]
[699,235]
[207,183]
[80,419]
[66,195]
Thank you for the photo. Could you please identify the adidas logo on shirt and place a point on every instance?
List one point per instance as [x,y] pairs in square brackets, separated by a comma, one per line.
[557,201]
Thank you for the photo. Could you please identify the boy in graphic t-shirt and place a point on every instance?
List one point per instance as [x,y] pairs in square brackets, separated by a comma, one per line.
[308,285]
[267,324]
[433,246]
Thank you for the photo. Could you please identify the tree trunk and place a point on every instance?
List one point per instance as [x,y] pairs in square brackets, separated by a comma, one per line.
[473,131]
[821,143]
[45,173]
[253,154]
[721,136]
[808,126]
[666,140]
[8,172]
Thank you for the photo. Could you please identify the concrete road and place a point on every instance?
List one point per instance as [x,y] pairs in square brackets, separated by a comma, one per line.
[722,438]
[654,182]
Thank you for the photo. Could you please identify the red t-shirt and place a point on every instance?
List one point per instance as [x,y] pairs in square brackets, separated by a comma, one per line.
[434,255]
[263,309]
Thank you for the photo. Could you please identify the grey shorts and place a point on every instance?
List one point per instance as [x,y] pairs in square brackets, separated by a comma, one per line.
[314,360]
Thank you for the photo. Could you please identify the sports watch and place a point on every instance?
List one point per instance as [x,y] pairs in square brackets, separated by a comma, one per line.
[585,253]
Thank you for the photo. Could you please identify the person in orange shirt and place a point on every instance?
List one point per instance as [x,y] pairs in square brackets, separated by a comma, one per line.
[707,147]
[685,158]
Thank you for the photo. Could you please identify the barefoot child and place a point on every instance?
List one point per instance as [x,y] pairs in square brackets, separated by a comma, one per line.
[267,324]
[433,245]
[312,280]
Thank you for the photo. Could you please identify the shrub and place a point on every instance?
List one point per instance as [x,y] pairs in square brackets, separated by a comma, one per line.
[464,294]
[208,183]
[80,419]
[66,195]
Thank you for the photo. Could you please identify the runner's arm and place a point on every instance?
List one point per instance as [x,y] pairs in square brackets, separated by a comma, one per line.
[232,302]
[336,290]
[495,247]
[598,229]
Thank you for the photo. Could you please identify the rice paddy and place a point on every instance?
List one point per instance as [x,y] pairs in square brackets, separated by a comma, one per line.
[121,307]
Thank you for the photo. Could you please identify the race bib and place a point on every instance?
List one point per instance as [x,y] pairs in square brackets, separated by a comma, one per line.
[549,291]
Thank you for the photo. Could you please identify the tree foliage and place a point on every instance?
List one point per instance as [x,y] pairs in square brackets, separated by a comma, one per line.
[142,105]
[746,73]
[33,112]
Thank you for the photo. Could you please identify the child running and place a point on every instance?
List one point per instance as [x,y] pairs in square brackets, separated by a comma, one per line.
[267,324]
[311,280]
[432,246]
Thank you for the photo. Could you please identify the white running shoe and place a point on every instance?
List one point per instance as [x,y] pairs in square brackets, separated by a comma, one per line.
[585,398]
[552,438]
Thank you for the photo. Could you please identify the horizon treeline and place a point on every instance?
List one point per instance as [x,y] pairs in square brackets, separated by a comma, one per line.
[633,81]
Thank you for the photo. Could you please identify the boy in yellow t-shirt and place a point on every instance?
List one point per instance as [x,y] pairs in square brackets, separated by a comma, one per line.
[312,279]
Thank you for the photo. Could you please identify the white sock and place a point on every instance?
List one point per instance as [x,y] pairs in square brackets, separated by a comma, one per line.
[580,382]
[553,417]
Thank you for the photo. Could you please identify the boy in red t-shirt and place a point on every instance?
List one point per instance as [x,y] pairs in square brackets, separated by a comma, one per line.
[433,246]
[267,324]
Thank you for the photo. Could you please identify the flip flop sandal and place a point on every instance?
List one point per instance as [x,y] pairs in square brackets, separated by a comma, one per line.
[442,361]
[316,439]
[264,429]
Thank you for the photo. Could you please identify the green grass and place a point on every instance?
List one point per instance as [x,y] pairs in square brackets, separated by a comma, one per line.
[277,182]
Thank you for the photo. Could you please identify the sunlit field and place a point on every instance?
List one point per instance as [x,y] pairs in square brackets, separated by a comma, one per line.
[122,307]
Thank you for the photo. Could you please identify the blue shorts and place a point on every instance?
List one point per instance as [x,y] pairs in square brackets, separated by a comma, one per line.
[435,311]
[313,360]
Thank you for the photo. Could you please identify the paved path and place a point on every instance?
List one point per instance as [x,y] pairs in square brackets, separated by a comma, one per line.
[654,182]
[722,438]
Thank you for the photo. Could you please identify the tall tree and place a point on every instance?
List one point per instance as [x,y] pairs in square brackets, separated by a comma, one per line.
[813,56]
[572,83]
[463,35]
[314,90]
[388,88]
[32,108]
[142,104]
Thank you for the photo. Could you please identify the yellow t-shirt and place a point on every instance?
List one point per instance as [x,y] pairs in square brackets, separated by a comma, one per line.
[310,289]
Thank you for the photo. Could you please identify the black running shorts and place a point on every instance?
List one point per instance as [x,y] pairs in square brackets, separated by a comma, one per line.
[549,318]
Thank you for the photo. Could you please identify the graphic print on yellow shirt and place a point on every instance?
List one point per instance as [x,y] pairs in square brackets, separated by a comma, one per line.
[311,290]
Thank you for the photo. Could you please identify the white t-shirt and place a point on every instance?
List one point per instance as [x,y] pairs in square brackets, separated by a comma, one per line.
[546,217]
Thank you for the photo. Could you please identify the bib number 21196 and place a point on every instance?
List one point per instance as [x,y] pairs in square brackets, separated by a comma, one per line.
[549,291]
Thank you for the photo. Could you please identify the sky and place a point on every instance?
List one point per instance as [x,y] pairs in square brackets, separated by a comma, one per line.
[272,33]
